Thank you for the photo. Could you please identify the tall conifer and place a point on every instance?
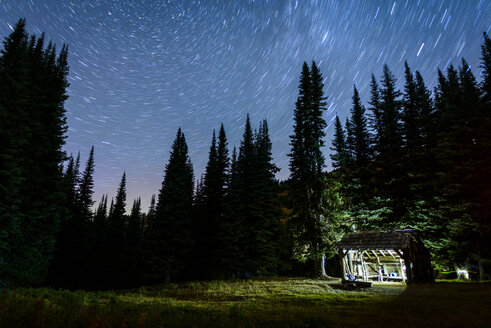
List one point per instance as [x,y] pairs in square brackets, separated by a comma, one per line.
[169,243]
[306,163]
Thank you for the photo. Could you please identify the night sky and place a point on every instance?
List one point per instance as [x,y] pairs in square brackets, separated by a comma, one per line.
[140,69]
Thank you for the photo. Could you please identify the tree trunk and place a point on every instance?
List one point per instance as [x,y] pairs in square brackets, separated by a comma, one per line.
[319,270]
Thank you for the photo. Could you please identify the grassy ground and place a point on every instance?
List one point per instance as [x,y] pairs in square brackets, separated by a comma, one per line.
[281,302]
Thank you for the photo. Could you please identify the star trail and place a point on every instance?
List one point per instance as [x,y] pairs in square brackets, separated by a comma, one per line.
[141,69]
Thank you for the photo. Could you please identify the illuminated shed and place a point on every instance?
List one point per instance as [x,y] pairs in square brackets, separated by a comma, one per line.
[384,256]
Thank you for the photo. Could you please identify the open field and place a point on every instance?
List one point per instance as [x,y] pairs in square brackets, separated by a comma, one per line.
[280,302]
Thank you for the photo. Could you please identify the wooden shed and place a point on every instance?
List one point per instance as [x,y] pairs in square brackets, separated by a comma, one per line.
[384,256]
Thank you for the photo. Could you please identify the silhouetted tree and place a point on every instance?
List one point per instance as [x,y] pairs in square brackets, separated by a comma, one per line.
[116,243]
[306,163]
[169,243]
[33,82]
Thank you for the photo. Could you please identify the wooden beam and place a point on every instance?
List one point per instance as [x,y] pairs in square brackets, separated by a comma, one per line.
[367,254]
[350,263]
[380,269]
[400,253]
[342,256]
[363,268]
[403,273]
[390,252]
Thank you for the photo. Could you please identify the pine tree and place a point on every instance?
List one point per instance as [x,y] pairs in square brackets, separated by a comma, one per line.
[350,144]
[100,214]
[169,239]
[111,208]
[375,119]
[231,254]
[482,154]
[486,68]
[422,165]
[134,235]
[306,163]
[316,122]
[339,157]
[251,244]
[243,194]
[151,212]
[212,232]
[206,220]
[266,206]
[357,183]
[65,268]
[96,251]
[33,82]
[390,139]
[391,182]
[361,142]
[223,158]
[455,228]
[427,121]
[410,112]
[116,242]
[298,165]
[86,188]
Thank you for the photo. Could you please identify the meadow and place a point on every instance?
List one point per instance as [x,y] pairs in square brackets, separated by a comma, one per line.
[275,302]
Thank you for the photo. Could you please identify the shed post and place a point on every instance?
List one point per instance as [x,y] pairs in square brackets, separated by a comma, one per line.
[363,267]
[409,266]
[342,256]
[350,262]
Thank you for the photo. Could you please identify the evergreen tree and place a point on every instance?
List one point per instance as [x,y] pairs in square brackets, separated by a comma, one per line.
[410,112]
[206,227]
[252,223]
[482,154]
[298,165]
[361,142]
[243,195]
[212,232]
[306,163]
[390,139]
[100,215]
[456,231]
[151,212]
[33,82]
[357,179]
[375,120]
[421,164]
[486,68]
[169,239]
[266,240]
[134,235]
[86,188]
[116,242]
[96,250]
[350,143]
[231,255]
[391,177]
[427,120]
[111,208]
[339,157]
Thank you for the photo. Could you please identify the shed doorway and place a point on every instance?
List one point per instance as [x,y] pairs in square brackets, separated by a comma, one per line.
[374,265]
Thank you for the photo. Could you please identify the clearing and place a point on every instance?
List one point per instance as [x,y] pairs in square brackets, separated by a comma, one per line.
[275,302]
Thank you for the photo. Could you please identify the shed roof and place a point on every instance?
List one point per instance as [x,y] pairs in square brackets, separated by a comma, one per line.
[376,240]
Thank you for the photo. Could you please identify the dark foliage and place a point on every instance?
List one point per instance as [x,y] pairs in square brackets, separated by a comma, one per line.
[428,162]
[33,82]
[168,241]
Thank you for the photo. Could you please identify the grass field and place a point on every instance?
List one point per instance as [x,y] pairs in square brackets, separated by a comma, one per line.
[280,302]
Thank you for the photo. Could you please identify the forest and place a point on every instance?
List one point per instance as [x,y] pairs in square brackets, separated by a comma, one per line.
[410,159]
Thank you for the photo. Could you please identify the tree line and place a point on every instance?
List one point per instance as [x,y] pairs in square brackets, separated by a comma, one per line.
[417,161]
[420,160]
